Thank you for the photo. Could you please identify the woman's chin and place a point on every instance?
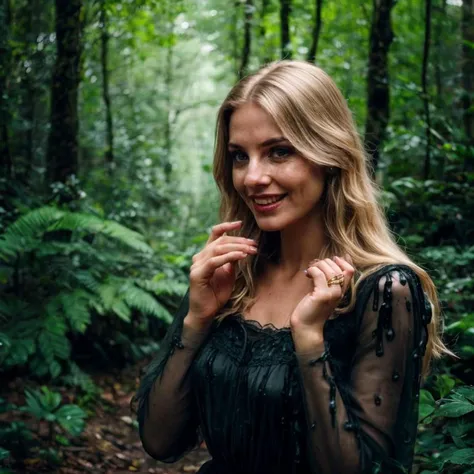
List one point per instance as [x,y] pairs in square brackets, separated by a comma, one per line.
[269,225]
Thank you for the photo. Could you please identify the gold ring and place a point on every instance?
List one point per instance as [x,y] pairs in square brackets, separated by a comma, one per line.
[336,280]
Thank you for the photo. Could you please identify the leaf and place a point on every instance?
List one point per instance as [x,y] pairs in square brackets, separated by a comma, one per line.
[33,404]
[455,408]
[461,456]
[71,418]
[425,411]
[466,392]
[4,453]
[444,384]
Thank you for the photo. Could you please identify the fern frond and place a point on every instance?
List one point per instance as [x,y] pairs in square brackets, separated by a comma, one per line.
[121,309]
[34,223]
[163,287]
[89,223]
[144,302]
[75,307]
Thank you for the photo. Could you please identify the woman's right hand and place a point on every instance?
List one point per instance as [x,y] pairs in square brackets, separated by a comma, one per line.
[212,274]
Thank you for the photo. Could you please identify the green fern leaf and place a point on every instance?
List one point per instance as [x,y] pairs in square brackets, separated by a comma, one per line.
[122,310]
[143,301]
[34,223]
[93,224]
[75,307]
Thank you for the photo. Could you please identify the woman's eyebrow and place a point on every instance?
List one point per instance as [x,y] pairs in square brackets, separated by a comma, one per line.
[270,141]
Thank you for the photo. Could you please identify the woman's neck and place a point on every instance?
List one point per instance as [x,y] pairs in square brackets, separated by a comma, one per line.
[301,243]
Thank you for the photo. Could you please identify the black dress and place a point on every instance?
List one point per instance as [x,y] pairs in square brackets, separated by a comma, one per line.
[263,408]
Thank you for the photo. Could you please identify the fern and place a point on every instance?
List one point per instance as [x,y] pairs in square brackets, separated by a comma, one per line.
[35,223]
[55,282]
[93,224]
[141,300]
[75,306]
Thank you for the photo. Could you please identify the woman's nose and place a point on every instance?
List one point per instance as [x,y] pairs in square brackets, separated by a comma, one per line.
[257,174]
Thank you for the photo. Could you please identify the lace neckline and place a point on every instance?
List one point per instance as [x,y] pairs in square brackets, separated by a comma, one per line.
[268,327]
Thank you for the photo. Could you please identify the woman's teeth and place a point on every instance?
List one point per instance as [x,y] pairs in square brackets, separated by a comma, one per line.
[266,201]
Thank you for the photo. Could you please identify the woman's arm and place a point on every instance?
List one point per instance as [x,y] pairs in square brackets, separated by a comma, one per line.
[350,431]
[166,415]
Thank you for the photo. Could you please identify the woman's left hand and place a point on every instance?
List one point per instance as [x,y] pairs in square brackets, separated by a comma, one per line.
[316,307]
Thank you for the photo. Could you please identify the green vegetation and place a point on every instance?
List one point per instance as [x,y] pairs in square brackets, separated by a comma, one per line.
[106,135]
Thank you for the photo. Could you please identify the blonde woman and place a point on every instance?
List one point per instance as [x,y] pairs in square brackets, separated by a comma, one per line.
[302,341]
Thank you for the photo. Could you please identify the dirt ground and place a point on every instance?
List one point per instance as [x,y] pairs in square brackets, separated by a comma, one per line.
[110,442]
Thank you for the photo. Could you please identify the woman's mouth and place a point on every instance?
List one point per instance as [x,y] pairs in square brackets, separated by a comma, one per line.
[267,203]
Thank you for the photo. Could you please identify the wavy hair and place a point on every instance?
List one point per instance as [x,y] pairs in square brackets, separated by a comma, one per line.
[312,114]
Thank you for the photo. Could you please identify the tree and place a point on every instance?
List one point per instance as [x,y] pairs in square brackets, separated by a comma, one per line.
[62,157]
[424,87]
[109,150]
[246,50]
[5,157]
[378,91]
[468,68]
[316,31]
[285,10]
[266,57]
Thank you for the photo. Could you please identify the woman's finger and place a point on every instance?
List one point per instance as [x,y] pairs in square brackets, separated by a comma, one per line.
[349,271]
[205,270]
[220,229]
[226,244]
[226,248]
[318,277]
[327,269]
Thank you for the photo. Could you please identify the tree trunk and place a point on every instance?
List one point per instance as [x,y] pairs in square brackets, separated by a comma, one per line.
[424,87]
[168,167]
[316,32]
[438,46]
[378,92]
[266,58]
[62,158]
[247,38]
[468,72]
[285,10]
[109,150]
[6,168]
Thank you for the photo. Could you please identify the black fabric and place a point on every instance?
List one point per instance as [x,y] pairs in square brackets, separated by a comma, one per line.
[349,407]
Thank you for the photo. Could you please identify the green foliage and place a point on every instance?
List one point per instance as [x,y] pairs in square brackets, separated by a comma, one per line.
[446,436]
[46,405]
[63,270]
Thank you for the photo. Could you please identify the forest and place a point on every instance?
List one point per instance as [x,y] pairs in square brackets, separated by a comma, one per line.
[107,123]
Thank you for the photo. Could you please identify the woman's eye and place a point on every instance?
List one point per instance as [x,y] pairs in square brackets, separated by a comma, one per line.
[238,156]
[280,152]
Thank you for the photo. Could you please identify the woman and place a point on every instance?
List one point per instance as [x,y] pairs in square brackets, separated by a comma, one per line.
[283,357]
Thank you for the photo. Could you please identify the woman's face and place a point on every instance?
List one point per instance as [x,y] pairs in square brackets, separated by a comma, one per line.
[280,187]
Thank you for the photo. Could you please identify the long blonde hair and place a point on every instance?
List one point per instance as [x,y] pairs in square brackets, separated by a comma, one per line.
[312,114]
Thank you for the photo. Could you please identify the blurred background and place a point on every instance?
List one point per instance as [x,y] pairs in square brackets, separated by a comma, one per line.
[107,120]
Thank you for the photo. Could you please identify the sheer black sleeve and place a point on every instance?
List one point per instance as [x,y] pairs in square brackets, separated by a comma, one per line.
[166,414]
[369,424]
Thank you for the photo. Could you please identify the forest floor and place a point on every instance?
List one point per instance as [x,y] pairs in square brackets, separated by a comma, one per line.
[109,444]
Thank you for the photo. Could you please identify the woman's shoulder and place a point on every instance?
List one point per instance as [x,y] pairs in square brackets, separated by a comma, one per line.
[399,273]
[386,282]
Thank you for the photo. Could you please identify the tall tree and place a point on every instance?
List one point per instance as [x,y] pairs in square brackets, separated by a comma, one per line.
[424,88]
[5,156]
[266,57]
[316,31]
[378,91]
[62,158]
[285,40]
[109,150]
[247,47]
[438,46]
[468,69]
